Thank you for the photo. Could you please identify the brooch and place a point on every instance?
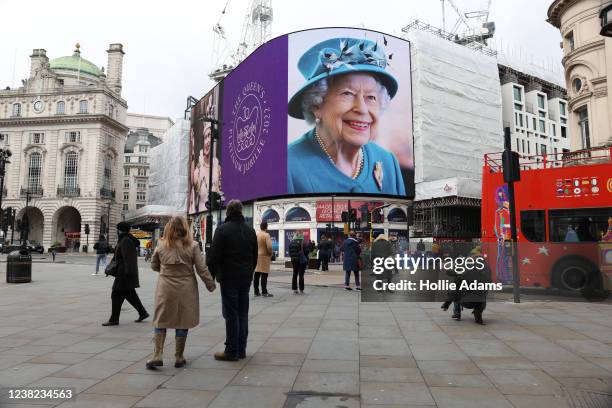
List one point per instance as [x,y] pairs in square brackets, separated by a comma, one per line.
[378,174]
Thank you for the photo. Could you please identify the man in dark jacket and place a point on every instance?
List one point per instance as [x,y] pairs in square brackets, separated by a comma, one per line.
[101,247]
[325,250]
[298,251]
[352,252]
[126,279]
[232,259]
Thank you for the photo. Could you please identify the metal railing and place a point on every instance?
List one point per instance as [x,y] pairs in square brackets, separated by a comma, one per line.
[32,191]
[69,191]
[562,159]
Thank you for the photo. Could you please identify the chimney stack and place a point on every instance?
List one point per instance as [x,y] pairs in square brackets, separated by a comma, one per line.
[114,67]
[38,60]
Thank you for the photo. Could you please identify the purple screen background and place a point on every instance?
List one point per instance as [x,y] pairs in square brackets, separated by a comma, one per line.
[257,86]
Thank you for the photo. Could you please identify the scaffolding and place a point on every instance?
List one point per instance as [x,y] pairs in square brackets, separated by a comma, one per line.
[447,217]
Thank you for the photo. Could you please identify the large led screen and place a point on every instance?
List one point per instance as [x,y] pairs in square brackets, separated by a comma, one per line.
[318,112]
[200,152]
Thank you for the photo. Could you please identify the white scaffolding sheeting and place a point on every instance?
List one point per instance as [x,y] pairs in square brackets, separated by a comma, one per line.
[169,173]
[457,114]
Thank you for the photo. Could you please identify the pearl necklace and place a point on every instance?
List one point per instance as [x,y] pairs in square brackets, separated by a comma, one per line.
[359,167]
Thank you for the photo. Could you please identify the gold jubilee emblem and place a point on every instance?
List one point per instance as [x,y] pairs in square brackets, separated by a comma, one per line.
[609,185]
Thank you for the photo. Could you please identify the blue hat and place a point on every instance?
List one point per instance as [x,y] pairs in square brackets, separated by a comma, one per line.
[341,56]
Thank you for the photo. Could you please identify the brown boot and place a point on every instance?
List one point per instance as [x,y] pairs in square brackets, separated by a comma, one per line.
[222,356]
[180,348]
[158,351]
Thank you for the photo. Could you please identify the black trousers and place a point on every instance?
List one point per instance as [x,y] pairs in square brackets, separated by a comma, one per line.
[264,282]
[235,309]
[117,298]
[298,271]
[324,262]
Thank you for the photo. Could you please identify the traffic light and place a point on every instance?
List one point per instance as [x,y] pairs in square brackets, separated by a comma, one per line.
[86,229]
[7,218]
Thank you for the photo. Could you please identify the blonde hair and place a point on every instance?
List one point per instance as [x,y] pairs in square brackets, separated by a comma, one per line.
[177,230]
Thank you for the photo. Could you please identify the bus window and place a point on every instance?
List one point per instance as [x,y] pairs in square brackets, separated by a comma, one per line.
[533,225]
[578,225]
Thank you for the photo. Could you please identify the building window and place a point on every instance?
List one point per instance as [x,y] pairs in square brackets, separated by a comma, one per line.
[563,131]
[528,147]
[583,124]
[522,146]
[540,101]
[142,160]
[110,111]
[556,151]
[73,137]
[542,126]
[4,139]
[127,159]
[518,107]
[71,166]
[570,41]
[108,172]
[520,120]
[542,149]
[562,108]
[577,84]
[61,108]
[517,93]
[83,107]
[142,184]
[534,124]
[553,129]
[542,115]
[126,172]
[34,171]
[141,196]
[139,206]
[126,195]
[144,149]
[142,172]
[126,207]
[37,138]
[563,121]
[126,183]
[16,109]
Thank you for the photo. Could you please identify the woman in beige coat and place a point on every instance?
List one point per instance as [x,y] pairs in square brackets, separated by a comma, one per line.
[264,257]
[177,303]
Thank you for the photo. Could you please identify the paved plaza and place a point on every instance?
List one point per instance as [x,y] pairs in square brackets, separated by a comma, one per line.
[322,349]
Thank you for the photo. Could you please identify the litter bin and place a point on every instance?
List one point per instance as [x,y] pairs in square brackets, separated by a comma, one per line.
[19,267]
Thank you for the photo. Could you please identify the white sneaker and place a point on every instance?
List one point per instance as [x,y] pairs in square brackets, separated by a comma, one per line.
[94,274]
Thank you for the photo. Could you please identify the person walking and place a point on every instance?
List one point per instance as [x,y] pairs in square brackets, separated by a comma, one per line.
[232,259]
[352,250]
[299,260]
[264,258]
[325,251]
[177,304]
[126,276]
[101,247]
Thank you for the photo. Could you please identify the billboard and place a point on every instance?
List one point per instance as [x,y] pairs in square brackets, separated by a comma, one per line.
[324,111]
[200,152]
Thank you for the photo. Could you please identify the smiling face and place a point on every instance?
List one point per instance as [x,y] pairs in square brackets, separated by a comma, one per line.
[207,136]
[350,110]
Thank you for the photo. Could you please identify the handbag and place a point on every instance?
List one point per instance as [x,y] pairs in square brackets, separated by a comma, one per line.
[112,268]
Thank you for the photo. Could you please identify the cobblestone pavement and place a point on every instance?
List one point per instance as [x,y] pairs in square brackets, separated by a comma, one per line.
[322,349]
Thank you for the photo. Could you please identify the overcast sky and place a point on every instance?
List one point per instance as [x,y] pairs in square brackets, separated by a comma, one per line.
[169,44]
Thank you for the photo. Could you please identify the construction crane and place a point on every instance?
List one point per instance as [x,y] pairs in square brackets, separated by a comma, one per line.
[478,32]
[256,30]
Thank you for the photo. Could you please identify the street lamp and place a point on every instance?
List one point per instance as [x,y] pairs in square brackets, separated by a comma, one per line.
[605,17]
[5,154]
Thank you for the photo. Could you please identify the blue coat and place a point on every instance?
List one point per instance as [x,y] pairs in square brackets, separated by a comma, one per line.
[309,170]
[351,250]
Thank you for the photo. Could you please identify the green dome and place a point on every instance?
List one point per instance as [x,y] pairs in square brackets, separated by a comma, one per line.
[75,63]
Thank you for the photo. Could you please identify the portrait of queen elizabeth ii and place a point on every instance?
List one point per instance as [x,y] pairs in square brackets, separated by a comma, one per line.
[347,90]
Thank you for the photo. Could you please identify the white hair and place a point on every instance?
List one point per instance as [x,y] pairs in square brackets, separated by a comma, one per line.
[315,94]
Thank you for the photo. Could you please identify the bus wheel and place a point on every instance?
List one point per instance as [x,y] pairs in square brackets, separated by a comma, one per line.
[574,274]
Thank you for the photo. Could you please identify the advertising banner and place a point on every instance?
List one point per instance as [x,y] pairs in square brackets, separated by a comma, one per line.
[324,111]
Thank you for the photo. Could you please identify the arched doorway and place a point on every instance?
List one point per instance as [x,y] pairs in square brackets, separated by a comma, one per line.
[35,222]
[67,221]
[297,214]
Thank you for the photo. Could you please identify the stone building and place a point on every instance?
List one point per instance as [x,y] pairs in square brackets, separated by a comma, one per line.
[66,130]
[587,59]
[145,132]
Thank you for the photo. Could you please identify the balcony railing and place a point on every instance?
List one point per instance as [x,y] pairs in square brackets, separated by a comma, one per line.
[106,193]
[69,191]
[33,191]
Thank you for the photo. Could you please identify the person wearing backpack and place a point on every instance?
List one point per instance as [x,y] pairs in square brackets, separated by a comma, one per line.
[299,261]
[101,247]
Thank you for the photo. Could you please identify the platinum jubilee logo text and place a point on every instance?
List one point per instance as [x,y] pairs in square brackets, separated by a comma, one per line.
[250,125]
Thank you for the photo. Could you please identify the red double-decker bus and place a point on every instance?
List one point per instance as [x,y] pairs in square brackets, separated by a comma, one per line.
[564,220]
